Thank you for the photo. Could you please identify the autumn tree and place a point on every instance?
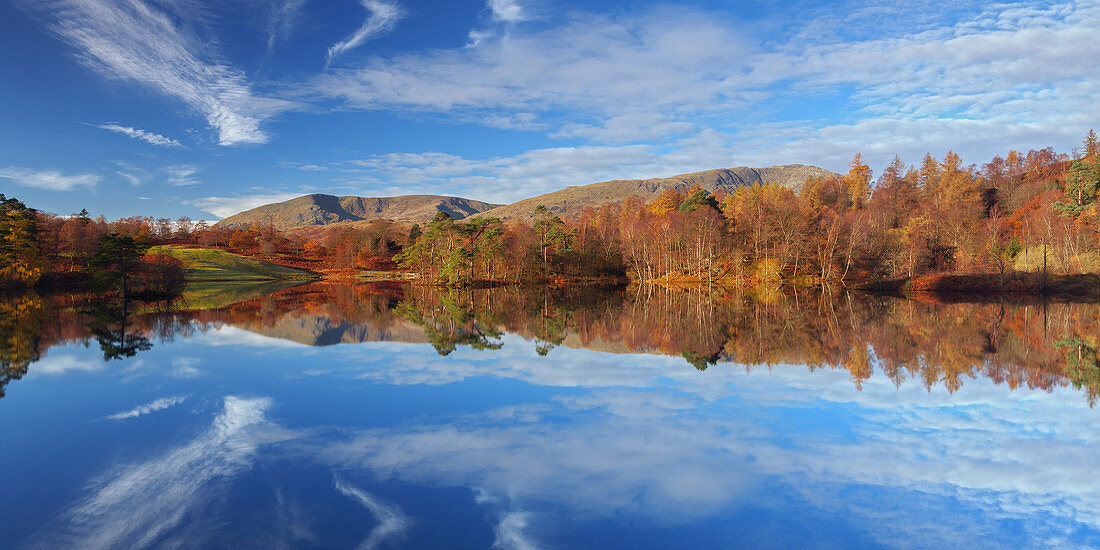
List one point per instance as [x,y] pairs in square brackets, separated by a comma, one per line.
[668,201]
[20,258]
[858,180]
[1091,145]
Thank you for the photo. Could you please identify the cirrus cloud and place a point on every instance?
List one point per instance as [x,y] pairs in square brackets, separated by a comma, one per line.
[135,42]
[51,180]
[144,135]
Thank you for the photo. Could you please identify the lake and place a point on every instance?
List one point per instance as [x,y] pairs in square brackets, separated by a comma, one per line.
[389,416]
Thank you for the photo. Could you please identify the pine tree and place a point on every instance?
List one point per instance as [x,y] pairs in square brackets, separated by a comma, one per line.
[1081,187]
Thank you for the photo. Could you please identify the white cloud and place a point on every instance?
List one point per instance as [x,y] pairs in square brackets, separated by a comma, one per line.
[509,532]
[508,179]
[980,81]
[383,16]
[223,207]
[391,522]
[134,175]
[281,20]
[134,506]
[182,175]
[134,42]
[48,179]
[144,135]
[186,367]
[592,65]
[55,365]
[507,11]
[670,442]
[158,405]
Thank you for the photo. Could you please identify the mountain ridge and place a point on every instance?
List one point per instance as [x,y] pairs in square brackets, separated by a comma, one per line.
[574,198]
[322,209]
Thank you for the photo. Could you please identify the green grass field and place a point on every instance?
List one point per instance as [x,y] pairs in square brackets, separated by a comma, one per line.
[213,295]
[207,265]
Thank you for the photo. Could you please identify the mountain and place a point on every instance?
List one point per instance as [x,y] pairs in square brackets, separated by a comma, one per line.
[576,198]
[317,209]
[320,209]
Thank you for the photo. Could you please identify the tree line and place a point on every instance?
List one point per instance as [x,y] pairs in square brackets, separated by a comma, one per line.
[36,247]
[1024,213]
[1028,213]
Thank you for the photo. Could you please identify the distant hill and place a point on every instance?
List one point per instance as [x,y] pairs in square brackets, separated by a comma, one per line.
[317,209]
[575,199]
[321,209]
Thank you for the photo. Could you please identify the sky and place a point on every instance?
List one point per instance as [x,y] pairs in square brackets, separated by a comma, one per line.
[172,108]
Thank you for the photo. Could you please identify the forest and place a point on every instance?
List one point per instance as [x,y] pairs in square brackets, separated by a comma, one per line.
[1013,223]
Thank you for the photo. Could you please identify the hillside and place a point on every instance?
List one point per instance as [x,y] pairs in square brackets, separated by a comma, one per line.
[318,209]
[574,199]
[203,264]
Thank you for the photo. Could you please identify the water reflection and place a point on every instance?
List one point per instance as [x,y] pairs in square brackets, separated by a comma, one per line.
[138,504]
[110,324]
[1032,344]
[586,424]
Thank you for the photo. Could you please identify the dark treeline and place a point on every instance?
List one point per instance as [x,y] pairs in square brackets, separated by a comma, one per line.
[38,248]
[1036,344]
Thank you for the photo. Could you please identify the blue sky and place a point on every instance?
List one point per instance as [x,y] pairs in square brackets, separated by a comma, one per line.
[184,107]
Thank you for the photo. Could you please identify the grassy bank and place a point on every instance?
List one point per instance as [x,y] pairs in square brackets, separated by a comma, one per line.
[209,265]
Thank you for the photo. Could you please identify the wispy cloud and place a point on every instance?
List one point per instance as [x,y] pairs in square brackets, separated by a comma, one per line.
[511,178]
[590,67]
[158,405]
[186,367]
[391,522]
[133,174]
[383,16]
[224,207]
[136,505]
[508,11]
[48,179]
[182,175]
[56,365]
[282,18]
[143,135]
[509,532]
[135,42]
[979,81]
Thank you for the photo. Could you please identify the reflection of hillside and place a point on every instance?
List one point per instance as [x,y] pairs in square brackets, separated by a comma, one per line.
[315,330]
[935,344]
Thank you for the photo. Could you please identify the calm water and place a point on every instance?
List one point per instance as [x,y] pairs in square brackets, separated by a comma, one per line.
[391,417]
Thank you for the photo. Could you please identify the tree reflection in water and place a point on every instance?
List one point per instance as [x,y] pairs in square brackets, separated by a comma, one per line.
[926,339]
[22,321]
[110,324]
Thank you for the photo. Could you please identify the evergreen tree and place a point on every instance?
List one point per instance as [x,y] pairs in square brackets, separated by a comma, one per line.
[1081,186]
[116,259]
[696,200]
